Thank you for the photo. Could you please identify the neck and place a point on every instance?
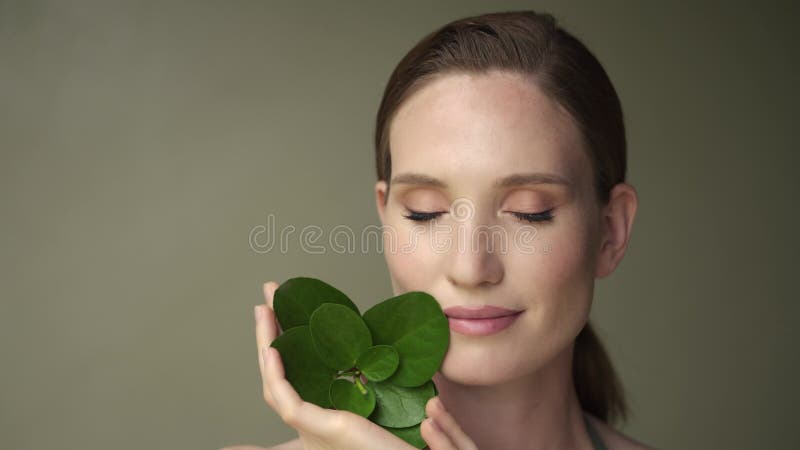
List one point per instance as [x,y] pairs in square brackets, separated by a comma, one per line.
[538,411]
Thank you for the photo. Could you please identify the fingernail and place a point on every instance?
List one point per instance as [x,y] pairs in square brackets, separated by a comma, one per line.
[256,314]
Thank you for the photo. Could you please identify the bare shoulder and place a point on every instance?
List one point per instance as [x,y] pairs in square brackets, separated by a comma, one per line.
[294,444]
[615,440]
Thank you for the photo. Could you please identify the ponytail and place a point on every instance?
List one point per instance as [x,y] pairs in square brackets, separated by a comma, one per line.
[599,389]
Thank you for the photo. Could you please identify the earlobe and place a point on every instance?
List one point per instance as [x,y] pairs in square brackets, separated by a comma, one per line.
[618,217]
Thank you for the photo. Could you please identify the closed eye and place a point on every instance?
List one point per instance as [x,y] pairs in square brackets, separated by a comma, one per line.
[417,216]
[544,216]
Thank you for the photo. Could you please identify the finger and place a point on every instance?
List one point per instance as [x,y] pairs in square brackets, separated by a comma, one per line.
[448,425]
[287,401]
[263,340]
[269,292]
[266,330]
[434,436]
[269,289]
[266,323]
[299,414]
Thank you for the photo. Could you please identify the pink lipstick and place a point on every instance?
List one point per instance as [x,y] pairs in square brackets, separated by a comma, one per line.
[481,321]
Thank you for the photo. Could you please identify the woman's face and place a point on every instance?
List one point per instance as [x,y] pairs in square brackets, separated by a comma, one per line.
[465,134]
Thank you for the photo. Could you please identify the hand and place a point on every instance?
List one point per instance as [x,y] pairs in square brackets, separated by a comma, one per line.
[328,429]
[440,430]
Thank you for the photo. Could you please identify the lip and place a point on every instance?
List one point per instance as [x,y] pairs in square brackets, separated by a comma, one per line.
[482,321]
[483,312]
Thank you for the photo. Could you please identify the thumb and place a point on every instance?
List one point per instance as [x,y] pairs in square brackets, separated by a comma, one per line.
[269,289]
[269,292]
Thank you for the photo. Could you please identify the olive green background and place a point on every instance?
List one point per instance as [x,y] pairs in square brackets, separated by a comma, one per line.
[142,142]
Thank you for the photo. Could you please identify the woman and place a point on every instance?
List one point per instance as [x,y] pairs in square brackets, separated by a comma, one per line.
[502,123]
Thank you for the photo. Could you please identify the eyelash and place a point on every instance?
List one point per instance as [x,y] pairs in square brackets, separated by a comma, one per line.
[544,216]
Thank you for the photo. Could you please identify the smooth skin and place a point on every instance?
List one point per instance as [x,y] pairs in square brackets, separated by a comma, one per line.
[512,390]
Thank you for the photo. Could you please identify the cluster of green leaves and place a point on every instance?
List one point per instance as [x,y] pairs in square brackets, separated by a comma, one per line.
[379,365]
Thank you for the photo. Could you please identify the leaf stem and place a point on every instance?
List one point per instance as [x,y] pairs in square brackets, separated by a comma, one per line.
[361,386]
[349,373]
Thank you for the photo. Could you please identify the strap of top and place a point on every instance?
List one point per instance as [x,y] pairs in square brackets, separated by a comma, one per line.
[597,443]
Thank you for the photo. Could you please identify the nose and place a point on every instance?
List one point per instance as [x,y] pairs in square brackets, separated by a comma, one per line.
[475,259]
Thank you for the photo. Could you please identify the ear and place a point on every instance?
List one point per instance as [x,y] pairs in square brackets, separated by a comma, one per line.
[617,224]
[380,199]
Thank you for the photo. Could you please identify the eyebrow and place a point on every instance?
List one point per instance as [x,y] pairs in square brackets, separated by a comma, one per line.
[516,179]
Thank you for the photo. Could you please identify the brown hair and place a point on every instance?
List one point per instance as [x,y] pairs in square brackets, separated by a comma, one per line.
[532,44]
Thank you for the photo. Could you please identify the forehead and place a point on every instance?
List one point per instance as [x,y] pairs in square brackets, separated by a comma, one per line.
[461,126]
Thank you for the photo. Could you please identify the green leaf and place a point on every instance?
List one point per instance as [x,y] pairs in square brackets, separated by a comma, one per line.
[398,345]
[297,298]
[339,335]
[400,407]
[304,370]
[347,395]
[378,362]
[415,325]
[411,435]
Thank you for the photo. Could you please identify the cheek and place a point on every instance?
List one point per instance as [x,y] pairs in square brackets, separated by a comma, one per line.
[562,262]
[410,259]
[559,285]
[556,285]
